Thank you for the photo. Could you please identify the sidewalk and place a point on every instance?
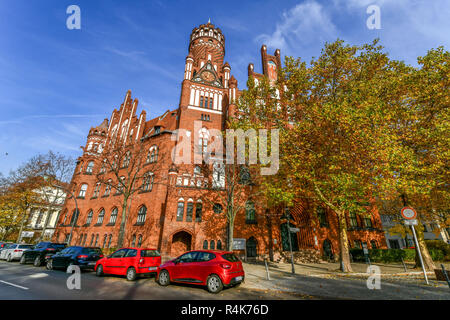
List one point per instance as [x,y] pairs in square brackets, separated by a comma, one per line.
[324,280]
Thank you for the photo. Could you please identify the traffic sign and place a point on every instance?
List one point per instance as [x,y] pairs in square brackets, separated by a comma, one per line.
[294,230]
[412,222]
[408,213]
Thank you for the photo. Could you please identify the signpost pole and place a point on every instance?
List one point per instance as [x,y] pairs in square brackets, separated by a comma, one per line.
[290,247]
[420,254]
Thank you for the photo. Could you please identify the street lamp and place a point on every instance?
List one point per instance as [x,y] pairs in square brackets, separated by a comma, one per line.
[46,178]
[287,216]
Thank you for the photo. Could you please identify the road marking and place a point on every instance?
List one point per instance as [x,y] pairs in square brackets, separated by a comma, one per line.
[38,275]
[14,285]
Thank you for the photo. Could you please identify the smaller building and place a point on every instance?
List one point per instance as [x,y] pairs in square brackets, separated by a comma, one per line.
[44,216]
[432,231]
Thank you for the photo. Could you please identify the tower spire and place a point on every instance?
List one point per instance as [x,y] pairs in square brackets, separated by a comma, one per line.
[209,20]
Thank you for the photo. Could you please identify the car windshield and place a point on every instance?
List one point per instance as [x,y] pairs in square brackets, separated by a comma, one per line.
[25,246]
[149,253]
[11,246]
[91,251]
[230,257]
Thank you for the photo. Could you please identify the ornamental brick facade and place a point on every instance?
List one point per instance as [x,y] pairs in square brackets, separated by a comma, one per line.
[169,214]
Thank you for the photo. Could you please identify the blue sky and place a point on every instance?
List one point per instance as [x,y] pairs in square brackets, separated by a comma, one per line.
[56,83]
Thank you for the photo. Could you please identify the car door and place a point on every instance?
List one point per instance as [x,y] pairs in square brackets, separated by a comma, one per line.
[183,269]
[114,263]
[203,266]
[129,260]
[57,259]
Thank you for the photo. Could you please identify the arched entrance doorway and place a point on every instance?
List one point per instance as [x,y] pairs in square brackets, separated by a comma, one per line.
[285,238]
[251,247]
[327,250]
[181,242]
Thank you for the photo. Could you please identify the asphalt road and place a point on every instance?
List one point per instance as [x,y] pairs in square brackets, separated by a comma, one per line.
[28,282]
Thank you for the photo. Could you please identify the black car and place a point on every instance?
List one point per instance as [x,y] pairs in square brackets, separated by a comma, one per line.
[38,253]
[84,257]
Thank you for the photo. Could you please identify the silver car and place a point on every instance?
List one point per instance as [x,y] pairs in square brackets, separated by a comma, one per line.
[14,251]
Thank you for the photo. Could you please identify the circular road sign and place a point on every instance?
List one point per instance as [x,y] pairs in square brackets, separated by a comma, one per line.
[408,213]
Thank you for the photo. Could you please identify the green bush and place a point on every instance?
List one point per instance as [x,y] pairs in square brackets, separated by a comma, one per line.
[439,245]
[394,255]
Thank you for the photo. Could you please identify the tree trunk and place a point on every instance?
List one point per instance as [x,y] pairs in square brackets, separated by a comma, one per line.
[230,235]
[21,228]
[344,254]
[426,257]
[122,224]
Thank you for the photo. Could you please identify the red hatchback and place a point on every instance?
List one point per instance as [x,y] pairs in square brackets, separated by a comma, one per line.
[129,262]
[215,269]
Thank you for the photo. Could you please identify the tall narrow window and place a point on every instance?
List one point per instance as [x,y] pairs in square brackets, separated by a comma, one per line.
[109,241]
[250,213]
[100,218]
[198,212]
[147,183]
[180,210]
[89,218]
[133,242]
[105,237]
[201,101]
[219,245]
[205,244]
[113,218]
[212,245]
[108,188]
[83,189]
[126,160]
[368,222]
[322,216]
[90,167]
[152,155]
[96,190]
[96,240]
[141,215]
[139,241]
[189,211]
[353,219]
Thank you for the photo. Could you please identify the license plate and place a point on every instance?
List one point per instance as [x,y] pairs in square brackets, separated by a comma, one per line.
[91,263]
[152,268]
[238,278]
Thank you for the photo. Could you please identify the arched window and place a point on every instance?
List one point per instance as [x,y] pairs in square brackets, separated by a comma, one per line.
[152,155]
[84,240]
[198,211]
[139,241]
[205,244]
[90,167]
[103,168]
[96,240]
[124,128]
[80,169]
[133,242]
[197,170]
[180,209]
[101,216]
[83,189]
[250,214]
[92,240]
[121,185]
[97,190]
[113,218]
[89,217]
[74,219]
[217,208]
[212,245]
[219,245]
[147,183]
[142,215]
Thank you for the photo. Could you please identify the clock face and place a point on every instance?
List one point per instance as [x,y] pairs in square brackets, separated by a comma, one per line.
[207,76]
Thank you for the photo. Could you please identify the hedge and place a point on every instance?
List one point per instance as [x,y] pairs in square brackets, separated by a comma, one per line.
[393,255]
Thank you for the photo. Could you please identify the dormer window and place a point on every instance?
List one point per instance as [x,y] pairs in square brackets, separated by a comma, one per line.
[157,129]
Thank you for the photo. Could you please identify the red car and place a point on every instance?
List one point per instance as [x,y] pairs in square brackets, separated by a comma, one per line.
[215,269]
[129,262]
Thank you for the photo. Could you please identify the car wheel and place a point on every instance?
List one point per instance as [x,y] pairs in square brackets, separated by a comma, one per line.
[131,274]
[37,261]
[99,271]
[164,278]
[23,260]
[9,259]
[214,284]
[49,264]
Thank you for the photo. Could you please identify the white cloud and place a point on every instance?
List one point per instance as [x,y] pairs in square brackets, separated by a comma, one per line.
[300,26]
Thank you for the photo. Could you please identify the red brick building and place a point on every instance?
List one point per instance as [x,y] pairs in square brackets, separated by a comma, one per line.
[168,212]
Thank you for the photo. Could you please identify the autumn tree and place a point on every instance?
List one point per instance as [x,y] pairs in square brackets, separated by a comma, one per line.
[333,130]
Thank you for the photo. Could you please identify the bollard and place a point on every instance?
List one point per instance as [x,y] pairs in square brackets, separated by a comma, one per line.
[445,275]
[267,269]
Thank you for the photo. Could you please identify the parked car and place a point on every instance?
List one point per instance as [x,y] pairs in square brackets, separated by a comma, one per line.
[15,251]
[130,262]
[84,257]
[38,253]
[211,268]
[4,250]
[4,244]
